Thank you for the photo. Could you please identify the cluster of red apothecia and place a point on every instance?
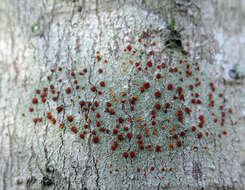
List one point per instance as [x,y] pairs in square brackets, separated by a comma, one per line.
[182,70]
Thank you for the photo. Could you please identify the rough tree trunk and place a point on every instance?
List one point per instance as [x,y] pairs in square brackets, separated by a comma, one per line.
[37,36]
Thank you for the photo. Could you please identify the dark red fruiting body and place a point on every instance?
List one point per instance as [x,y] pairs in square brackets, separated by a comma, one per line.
[68,90]
[125,154]
[158,94]
[74,129]
[120,137]
[158,148]
[95,139]
[132,154]
[34,101]
[199,135]
[59,109]
[158,76]
[149,63]
[170,86]
[70,118]
[102,83]
[93,88]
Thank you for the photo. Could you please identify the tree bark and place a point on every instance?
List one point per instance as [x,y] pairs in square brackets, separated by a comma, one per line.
[39,37]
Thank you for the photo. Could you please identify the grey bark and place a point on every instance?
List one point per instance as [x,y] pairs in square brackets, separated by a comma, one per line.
[38,35]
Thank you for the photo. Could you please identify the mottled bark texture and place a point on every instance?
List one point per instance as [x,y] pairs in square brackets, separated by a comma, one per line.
[37,36]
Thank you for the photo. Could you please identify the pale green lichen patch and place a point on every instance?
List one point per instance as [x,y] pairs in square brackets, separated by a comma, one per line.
[134,110]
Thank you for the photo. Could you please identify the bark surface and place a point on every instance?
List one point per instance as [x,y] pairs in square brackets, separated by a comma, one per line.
[39,35]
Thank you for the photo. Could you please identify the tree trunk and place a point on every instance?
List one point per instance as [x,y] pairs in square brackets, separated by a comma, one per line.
[107,94]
